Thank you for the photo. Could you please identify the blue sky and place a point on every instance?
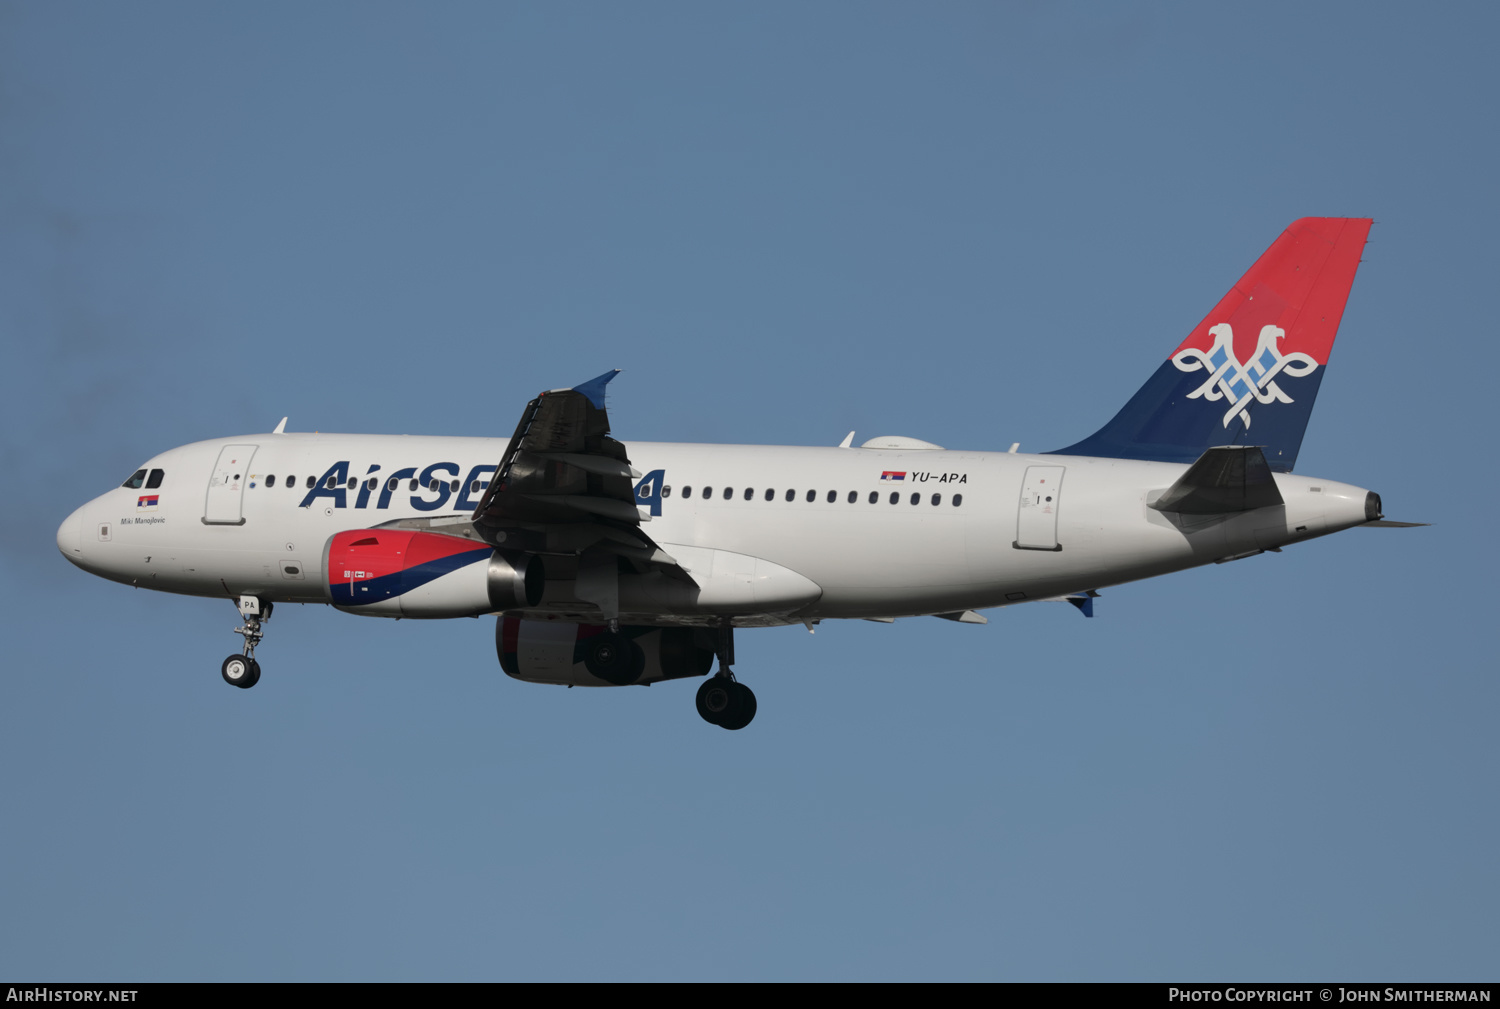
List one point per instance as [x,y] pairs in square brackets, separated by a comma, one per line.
[969,223]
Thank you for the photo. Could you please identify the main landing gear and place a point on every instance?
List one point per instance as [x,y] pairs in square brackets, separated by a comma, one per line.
[242,670]
[723,700]
[613,657]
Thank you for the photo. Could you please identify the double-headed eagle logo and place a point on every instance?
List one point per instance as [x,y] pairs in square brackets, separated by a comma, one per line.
[1240,383]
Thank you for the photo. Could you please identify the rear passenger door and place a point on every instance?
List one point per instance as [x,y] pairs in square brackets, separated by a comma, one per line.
[1036,520]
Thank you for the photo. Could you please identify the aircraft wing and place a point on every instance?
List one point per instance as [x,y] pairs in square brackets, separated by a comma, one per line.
[564,485]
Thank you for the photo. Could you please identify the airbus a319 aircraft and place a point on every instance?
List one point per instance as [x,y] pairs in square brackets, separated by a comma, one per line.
[612,562]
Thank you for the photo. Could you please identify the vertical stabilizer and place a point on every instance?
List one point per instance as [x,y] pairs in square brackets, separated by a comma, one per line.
[1249,372]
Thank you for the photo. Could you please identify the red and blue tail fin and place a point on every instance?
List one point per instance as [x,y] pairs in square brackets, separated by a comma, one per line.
[1249,372]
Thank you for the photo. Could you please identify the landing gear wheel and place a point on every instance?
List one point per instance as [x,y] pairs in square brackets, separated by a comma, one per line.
[726,703]
[743,707]
[715,698]
[240,671]
[614,658]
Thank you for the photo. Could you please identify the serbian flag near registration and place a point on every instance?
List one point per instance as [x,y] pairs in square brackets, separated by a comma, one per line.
[146,501]
[893,475]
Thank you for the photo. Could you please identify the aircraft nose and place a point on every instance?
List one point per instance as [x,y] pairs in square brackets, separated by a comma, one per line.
[70,536]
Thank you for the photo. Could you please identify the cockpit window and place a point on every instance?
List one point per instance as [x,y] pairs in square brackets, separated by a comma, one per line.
[154,480]
[136,480]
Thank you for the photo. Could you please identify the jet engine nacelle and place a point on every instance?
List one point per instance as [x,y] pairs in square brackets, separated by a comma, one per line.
[410,573]
[551,651]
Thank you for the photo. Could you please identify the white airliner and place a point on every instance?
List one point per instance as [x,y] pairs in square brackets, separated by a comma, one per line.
[613,563]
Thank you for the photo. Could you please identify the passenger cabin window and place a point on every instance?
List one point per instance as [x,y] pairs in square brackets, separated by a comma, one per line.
[666,491]
[291,482]
[728,493]
[895,497]
[749,494]
[833,496]
[412,485]
[333,482]
[958,499]
[708,492]
[271,480]
[371,483]
[312,482]
[136,480]
[874,496]
[916,499]
[453,486]
[853,496]
[937,499]
[770,494]
[391,484]
[812,496]
[154,480]
[791,495]
[687,491]
[353,482]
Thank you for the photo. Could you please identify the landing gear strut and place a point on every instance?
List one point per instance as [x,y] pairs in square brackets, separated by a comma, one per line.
[242,670]
[723,700]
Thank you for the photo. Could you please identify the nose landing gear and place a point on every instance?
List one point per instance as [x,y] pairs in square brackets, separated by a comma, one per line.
[723,700]
[242,670]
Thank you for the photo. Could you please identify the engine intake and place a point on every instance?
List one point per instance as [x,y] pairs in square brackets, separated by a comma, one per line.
[410,573]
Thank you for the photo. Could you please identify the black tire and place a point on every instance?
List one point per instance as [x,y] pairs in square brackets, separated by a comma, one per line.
[718,700]
[744,707]
[239,671]
[614,658]
[254,674]
[637,662]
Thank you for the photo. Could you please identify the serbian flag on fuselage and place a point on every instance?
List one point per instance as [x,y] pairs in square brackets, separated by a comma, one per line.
[146,501]
[891,474]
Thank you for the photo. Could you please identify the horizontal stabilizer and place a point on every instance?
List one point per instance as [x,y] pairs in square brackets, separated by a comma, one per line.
[1388,524]
[1224,480]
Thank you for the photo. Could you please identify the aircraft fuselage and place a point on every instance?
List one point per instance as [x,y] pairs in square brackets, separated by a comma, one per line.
[866,532]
